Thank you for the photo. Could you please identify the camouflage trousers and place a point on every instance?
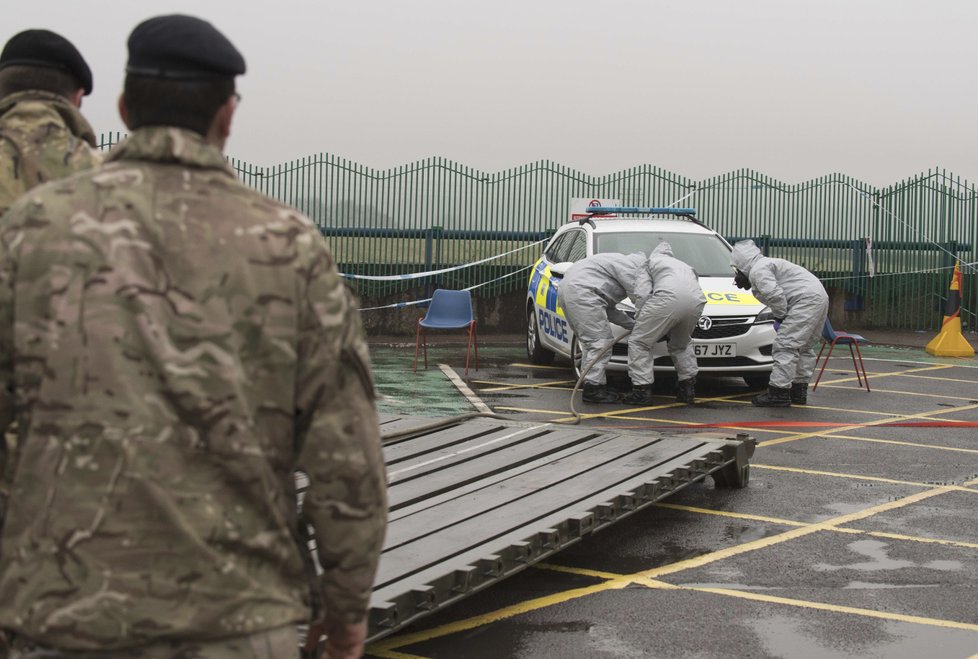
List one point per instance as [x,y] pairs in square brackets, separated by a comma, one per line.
[271,644]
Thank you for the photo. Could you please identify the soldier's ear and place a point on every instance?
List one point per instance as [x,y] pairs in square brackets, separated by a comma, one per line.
[123,112]
[76,98]
[220,128]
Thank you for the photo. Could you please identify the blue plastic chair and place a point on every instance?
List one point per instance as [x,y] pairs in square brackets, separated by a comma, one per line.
[448,310]
[830,338]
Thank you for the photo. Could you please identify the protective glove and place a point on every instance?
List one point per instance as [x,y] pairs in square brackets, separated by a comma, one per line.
[777,323]
[741,280]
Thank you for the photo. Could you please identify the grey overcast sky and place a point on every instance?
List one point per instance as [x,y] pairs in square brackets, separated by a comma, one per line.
[877,89]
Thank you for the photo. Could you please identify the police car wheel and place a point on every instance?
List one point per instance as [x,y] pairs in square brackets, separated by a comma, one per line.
[534,349]
[576,357]
[759,381]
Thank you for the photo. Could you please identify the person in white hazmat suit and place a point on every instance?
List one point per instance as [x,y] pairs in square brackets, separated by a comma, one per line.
[671,312]
[800,304]
[589,294]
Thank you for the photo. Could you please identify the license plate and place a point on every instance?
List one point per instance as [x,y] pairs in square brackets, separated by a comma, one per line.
[715,349]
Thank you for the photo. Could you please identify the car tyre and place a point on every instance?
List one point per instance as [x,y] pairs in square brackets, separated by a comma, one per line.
[577,357]
[534,349]
[759,381]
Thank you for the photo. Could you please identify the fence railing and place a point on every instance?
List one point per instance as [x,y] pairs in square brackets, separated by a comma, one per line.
[889,250]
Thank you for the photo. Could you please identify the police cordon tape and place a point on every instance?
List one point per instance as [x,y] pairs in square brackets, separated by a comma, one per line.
[412,303]
[432,273]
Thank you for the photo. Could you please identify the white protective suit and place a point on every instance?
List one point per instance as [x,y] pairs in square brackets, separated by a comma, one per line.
[795,296]
[673,309]
[589,294]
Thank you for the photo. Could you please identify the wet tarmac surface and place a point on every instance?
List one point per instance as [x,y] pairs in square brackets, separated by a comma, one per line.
[857,535]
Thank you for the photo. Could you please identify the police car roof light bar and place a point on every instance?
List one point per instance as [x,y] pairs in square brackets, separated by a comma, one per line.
[601,210]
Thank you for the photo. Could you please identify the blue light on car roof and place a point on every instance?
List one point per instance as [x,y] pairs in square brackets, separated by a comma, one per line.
[601,210]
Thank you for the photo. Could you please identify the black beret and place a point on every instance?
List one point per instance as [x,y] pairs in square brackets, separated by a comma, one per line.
[182,48]
[47,49]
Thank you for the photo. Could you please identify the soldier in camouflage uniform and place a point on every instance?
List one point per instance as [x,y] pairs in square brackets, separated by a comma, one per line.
[174,346]
[43,136]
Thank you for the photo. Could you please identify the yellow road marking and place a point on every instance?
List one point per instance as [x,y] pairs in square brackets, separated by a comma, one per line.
[391,654]
[917,538]
[835,608]
[906,417]
[726,513]
[762,543]
[902,393]
[931,377]
[877,479]
[520,365]
[899,443]
[936,367]
[502,386]
[580,571]
[699,561]
[789,522]
[501,614]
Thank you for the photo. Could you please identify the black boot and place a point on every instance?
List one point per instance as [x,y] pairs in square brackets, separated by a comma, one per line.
[686,391]
[773,397]
[599,393]
[799,393]
[641,394]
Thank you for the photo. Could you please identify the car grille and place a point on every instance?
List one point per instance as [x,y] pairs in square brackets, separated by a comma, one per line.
[724,328]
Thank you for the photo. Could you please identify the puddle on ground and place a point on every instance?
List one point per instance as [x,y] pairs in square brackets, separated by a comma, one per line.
[878,559]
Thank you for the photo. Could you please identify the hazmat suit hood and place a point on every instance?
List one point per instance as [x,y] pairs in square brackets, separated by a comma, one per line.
[662,249]
[745,253]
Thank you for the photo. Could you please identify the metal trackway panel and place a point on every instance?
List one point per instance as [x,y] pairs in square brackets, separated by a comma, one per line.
[480,500]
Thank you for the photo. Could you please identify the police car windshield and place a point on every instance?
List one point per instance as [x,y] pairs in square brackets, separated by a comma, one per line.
[707,253]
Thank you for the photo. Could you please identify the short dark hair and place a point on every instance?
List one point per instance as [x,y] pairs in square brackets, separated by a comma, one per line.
[22,77]
[189,104]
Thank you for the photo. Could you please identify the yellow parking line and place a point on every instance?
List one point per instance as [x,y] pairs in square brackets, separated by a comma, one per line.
[837,409]
[392,654]
[679,566]
[727,513]
[835,608]
[877,479]
[502,386]
[579,571]
[906,417]
[501,614]
[916,538]
[789,522]
[931,377]
[938,367]
[788,601]
[762,543]
[899,443]
[904,393]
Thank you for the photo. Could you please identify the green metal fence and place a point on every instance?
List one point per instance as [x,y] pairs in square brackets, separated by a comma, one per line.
[888,250]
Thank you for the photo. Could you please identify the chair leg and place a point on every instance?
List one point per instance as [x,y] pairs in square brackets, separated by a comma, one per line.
[468,347]
[861,365]
[475,342]
[417,343]
[831,348]
[424,346]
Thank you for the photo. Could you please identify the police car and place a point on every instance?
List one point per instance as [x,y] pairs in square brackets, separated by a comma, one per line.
[733,336]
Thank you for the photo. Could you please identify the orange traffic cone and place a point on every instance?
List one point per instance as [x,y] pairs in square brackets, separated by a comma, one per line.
[949,342]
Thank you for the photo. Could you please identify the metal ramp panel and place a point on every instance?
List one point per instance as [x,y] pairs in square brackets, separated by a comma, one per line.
[480,500]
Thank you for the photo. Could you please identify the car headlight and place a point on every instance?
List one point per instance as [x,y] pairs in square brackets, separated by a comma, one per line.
[766,316]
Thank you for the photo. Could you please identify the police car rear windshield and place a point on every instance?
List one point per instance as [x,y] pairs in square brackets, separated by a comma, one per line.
[707,253]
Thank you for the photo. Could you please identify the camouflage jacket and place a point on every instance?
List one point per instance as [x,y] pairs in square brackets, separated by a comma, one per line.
[43,137]
[173,347]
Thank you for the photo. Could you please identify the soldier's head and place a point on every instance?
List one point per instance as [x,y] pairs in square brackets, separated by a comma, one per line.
[181,74]
[40,60]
